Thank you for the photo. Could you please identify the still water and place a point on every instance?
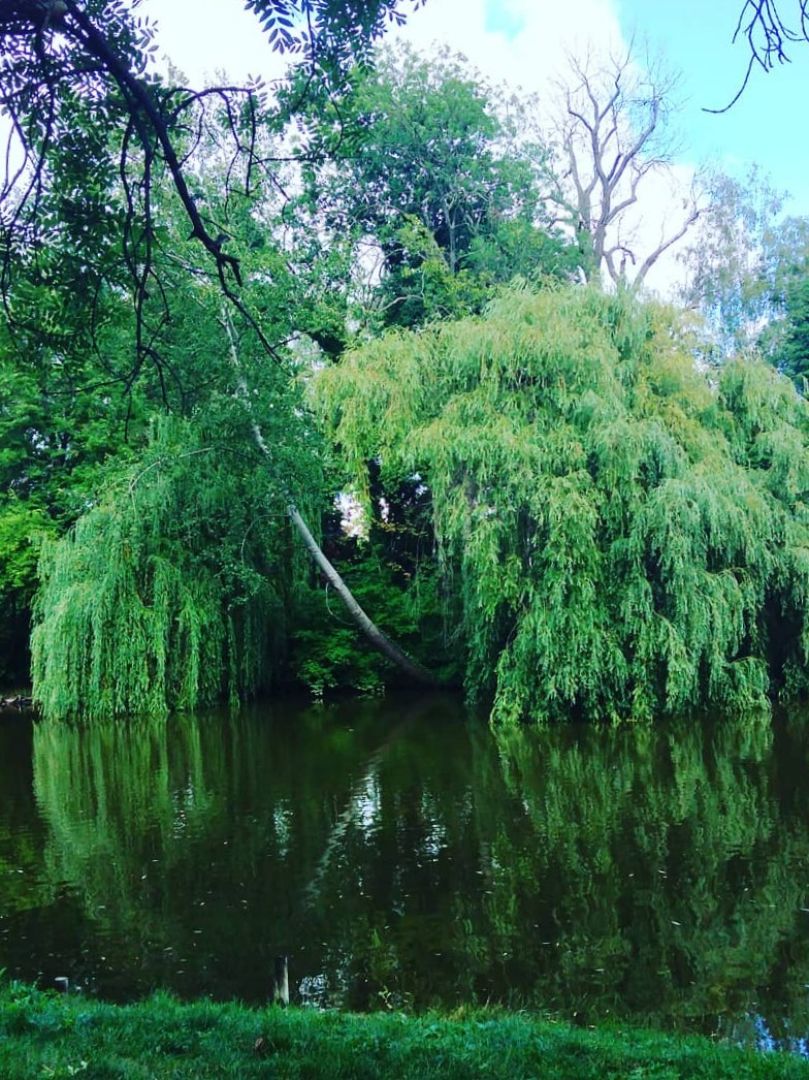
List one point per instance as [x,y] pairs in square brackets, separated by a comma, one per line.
[403,856]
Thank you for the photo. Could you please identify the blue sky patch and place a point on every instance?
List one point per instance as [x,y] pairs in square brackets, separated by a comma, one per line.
[501,18]
[766,125]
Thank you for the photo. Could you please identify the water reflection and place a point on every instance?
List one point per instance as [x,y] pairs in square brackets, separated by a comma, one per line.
[403,856]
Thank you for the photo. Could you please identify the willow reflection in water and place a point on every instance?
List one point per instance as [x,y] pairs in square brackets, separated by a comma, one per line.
[405,856]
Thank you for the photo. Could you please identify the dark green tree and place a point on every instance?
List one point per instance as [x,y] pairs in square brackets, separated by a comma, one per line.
[792,356]
[437,183]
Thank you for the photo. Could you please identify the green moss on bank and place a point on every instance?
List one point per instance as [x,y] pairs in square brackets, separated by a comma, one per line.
[46,1035]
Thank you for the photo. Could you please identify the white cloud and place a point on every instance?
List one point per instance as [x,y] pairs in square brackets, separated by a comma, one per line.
[204,37]
[533,56]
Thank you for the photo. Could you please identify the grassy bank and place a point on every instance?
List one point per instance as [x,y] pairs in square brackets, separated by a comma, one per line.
[46,1035]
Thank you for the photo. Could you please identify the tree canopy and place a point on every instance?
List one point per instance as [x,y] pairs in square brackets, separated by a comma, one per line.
[172,592]
[560,502]
[625,536]
[85,109]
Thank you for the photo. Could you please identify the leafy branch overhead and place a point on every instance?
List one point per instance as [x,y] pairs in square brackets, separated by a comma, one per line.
[327,31]
[85,112]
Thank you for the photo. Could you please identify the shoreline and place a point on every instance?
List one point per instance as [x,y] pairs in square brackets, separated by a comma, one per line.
[45,1033]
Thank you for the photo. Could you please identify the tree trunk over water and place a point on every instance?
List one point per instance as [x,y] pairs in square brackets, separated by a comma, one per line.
[377,637]
[380,641]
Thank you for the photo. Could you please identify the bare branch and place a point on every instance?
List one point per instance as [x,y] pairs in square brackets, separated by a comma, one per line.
[611,138]
[767,34]
[653,256]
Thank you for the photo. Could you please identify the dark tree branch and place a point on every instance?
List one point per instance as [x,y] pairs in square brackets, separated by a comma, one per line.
[767,34]
[59,56]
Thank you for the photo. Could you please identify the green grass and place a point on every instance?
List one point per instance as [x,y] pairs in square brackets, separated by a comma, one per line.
[46,1035]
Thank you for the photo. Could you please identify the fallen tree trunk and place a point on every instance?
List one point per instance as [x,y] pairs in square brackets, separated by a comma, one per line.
[378,638]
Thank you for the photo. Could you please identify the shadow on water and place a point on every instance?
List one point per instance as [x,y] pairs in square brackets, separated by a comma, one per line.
[404,857]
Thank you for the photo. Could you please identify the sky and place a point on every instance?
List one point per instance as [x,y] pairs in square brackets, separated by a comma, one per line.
[766,125]
[524,43]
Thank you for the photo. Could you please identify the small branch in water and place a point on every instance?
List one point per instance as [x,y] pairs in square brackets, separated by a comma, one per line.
[280,981]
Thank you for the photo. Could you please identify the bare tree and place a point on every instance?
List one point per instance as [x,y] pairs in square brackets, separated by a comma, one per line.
[613,138]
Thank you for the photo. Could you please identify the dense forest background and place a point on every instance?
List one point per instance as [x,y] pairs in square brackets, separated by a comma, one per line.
[408,308]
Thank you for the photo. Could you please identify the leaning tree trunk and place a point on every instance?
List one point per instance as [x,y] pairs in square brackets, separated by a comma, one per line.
[380,641]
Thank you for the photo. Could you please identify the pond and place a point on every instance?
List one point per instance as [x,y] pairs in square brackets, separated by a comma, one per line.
[403,856]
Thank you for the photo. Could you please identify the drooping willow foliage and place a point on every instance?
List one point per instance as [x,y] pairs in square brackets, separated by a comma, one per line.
[625,535]
[170,592]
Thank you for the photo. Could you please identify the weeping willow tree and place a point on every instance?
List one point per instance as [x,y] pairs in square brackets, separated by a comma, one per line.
[172,590]
[624,535]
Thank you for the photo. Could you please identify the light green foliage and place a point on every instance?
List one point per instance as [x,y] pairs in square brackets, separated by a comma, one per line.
[626,536]
[171,590]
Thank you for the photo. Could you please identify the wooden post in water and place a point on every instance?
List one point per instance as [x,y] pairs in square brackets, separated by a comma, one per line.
[280,980]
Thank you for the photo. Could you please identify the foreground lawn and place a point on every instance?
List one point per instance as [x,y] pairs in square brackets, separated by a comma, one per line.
[46,1035]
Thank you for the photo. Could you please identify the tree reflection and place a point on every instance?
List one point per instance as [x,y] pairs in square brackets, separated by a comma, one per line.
[408,857]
